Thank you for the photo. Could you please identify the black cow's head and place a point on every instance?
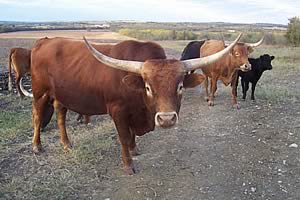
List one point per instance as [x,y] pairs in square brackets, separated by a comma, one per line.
[265,62]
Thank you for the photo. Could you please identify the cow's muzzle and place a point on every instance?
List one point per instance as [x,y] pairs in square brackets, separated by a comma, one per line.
[166,119]
[245,67]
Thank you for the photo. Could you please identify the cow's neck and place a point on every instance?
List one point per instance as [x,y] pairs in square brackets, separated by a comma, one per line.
[228,70]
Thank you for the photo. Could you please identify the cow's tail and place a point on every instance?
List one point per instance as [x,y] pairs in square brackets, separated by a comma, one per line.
[9,70]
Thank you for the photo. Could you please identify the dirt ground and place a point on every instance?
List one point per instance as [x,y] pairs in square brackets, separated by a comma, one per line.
[214,153]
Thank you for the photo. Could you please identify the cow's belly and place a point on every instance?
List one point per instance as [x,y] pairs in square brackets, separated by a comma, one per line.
[81,101]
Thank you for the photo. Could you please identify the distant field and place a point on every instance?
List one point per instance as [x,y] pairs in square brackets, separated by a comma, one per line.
[27,38]
[100,35]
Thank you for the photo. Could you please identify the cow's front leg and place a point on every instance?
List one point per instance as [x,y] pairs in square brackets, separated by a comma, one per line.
[243,89]
[246,87]
[206,88]
[122,125]
[234,90]
[133,148]
[253,90]
[213,89]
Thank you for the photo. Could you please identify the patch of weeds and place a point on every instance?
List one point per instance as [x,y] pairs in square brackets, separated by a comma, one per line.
[277,94]
[91,147]
[13,124]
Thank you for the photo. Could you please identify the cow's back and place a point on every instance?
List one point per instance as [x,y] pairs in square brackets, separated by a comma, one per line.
[137,51]
[192,50]
[21,60]
[208,48]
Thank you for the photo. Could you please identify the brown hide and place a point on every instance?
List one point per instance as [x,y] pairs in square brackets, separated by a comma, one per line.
[224,69]
[19,60]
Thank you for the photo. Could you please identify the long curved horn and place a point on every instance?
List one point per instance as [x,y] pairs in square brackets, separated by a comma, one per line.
[25,92]
[253,45]
[130,66]
[196,63]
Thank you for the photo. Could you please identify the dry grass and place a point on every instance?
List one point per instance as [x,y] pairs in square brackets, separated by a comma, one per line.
[99,35]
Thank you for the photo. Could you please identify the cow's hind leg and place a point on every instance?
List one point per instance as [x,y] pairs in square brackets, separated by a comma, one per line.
[213,89]
[38,107]
[206,88]
[61,122]
[18,79]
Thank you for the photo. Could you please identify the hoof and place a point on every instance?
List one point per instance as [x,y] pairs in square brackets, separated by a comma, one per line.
[210,103]
[206,98]
[67,147]
[236,106]
[37,149]
[135,151]
[130,170]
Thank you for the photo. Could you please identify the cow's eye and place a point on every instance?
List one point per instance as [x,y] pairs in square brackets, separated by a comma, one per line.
[180,88]
[148,89]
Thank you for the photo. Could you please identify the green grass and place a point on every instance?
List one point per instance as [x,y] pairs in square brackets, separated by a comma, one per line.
[15,118]
[89,147]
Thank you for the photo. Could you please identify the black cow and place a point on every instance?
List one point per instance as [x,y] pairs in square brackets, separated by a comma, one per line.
[258,66]
[192,50]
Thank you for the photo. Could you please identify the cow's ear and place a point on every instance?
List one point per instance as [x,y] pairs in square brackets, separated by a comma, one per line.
[272,57]
[134,82]
[192,80]
[250,49]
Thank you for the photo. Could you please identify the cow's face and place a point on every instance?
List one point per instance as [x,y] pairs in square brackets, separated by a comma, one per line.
[162,83]
[265,62]
[239,55]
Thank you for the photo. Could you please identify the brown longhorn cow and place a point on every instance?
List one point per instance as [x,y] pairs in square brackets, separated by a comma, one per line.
[133,82]
[19,60]
[226,68]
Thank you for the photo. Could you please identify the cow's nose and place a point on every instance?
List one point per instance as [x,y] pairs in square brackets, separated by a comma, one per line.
[248,66]
[166,119]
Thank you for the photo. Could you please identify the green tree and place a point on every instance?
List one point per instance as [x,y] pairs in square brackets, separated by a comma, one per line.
[293,31]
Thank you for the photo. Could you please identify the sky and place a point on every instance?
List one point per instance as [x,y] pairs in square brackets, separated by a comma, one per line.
[235,11]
